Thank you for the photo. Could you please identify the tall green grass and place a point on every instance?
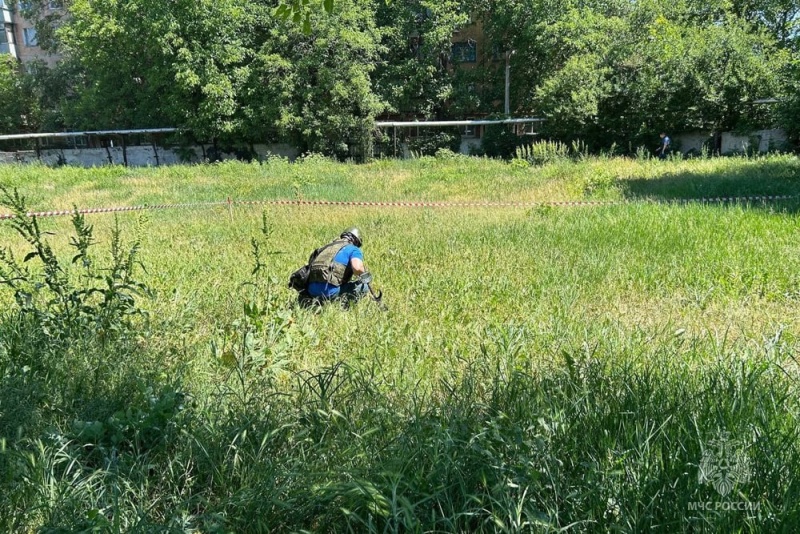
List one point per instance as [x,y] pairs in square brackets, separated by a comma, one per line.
[537,370]
[427,178]
[596,441]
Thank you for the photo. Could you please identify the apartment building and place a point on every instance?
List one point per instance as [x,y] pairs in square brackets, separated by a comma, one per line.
[468,46]
[19,34]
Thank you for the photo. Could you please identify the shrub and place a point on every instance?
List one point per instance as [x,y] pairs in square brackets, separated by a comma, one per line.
[446,153]
[431,142]
[499,141]
[643,154]
[543,152]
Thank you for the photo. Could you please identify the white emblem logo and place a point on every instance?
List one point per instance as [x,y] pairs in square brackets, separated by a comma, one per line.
[724,464]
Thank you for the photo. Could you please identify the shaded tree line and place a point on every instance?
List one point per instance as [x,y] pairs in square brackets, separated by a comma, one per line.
[318,74]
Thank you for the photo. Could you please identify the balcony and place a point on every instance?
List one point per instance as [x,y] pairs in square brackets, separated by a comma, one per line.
[8,13]
[8,48]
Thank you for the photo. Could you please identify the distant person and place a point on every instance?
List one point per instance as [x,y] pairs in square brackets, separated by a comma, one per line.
[333,272]
[663,148]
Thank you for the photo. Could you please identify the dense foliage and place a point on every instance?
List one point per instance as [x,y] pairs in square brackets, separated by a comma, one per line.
[606,72]
[616,72]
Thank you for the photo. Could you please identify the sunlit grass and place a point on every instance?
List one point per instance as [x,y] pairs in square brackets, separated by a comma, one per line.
[537,368]
[423,179]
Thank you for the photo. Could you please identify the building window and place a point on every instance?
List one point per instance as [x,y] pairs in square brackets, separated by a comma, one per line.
[465,52]
[469,131]
[4,46]
[529,128]
[29,35]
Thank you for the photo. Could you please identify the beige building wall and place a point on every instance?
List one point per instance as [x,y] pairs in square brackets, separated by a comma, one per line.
[469,46]
[21,39]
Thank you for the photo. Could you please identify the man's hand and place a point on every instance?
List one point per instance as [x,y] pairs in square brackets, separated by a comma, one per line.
[358,267]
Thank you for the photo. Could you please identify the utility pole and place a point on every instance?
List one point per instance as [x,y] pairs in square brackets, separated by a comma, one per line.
[509,53]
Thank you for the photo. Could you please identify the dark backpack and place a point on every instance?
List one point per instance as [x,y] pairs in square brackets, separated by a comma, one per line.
[298,280]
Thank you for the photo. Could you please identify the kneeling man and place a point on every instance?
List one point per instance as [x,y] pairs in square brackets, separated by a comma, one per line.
[334,267]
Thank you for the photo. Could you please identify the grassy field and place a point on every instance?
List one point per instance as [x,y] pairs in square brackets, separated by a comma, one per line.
[538,369]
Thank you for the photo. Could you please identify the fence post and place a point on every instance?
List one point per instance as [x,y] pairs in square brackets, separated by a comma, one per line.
[124,150]
[155,149]
[108,152]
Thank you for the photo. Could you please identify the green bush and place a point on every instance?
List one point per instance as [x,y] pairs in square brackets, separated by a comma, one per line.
[101,305]
[432,141]
[499,141]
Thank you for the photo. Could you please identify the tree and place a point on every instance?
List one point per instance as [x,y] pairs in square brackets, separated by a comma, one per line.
[50,90]
[223,69]
[315,88]
[13,101]
[318,72]
[150,63]
[412,75]
[614,71]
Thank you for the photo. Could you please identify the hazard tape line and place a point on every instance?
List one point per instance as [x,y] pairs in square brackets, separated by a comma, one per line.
[404,204]
[502,204]
[87,211]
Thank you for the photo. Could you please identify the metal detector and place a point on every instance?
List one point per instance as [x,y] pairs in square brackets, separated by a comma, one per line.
[366,279]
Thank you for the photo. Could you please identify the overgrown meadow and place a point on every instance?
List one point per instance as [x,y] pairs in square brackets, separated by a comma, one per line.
[623,367]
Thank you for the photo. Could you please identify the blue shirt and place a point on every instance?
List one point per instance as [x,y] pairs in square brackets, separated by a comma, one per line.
[324,289]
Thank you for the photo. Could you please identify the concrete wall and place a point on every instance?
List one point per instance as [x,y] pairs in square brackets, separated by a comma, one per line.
[277,149]
[138,156]
[469,145]
[766,140]
[146,156]
[692,141]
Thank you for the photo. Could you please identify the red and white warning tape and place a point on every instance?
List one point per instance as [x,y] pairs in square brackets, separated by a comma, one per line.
[144,207]
[506,204]
[407,204]
[424,204]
